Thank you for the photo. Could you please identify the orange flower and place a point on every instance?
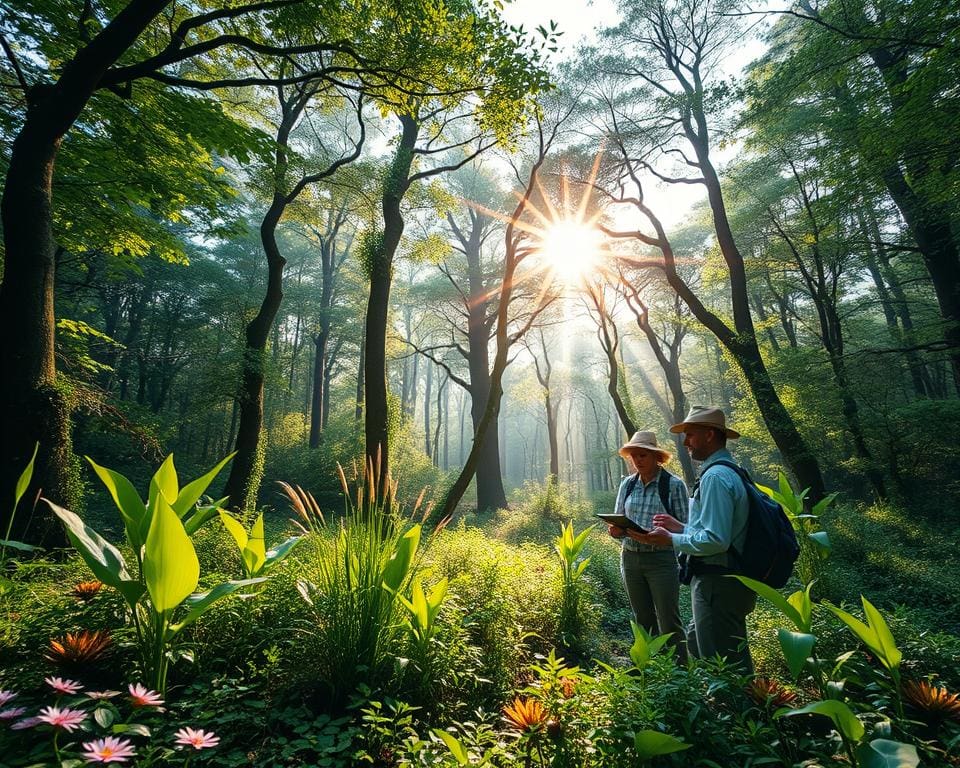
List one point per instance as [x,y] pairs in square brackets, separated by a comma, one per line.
[767,692]
[567,687]
[525,714]
[80,647]
[936,702]
[86,590]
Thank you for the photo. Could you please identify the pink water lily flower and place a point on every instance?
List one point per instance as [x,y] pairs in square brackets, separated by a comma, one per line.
[27,722]
[101,695]
[198,739]
[108,750]
[9,714]
[6,696]
[63,686]
[66,718]
[141,696]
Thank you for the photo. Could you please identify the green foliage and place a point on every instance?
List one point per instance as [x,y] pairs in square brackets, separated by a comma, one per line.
[168,571]
[254,556]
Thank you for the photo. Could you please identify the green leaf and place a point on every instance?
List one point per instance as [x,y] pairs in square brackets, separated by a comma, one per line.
[796,648]
[104,716]
[199,603]
[19,545]
[778,601]
[804,605]
[165,481]
[193,491]
[883,753]
[133,511]
[822,540]
[398,566]
[170,565]
[888,652]
[456,748]
[256,546]
[278,553]
[842,716]
[196,521]
[100,555]
[132,729]
[235,529]
[653,743]
[821,505]
[23,482]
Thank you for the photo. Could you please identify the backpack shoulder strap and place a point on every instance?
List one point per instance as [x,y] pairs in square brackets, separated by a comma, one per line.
[663,488]
[631,484]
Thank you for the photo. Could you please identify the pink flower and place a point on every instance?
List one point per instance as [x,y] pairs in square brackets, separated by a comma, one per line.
[108,750]
[9,714]
[198,739]
[100,695]
[63,686]
[65,718]
[28,722]
[141,696]
[6,696]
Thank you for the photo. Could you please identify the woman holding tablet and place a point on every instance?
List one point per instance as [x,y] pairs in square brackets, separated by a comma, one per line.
[649,572]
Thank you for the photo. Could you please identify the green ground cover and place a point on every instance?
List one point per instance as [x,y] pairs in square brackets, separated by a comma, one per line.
[491,644]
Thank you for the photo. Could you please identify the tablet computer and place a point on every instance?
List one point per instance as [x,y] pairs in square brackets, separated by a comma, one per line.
[622,521]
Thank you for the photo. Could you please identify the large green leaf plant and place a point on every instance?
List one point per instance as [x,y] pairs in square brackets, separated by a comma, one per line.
[863,748]
[160,590]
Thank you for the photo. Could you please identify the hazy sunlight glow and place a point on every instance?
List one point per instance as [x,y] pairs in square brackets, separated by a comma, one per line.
[570,249]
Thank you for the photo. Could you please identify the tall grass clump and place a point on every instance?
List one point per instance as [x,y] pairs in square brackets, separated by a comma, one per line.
[362,567]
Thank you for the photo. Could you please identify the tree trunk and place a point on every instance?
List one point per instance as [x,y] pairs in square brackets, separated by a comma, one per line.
[35,408]
[319,384]
[377,417]
[246,469]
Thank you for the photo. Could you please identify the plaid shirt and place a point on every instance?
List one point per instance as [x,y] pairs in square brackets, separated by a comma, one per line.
[644,502]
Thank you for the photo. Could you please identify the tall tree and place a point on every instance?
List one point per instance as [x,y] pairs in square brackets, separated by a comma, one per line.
[469,53]
[672,46]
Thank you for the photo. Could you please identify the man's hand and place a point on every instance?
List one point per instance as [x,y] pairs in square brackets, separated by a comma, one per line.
[658,537]
[616,531]
[669,522]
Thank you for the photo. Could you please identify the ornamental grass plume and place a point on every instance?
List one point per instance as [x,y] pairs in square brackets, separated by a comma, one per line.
[525,714]
[769,693]
[936,703]
[108,750]
[84,647]
[86,590]
[198,739]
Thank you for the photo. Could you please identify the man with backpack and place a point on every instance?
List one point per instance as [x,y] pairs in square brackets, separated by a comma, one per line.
[711,540]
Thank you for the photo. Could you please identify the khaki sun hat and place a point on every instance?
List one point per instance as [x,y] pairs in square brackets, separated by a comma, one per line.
[706,416]
[647,441]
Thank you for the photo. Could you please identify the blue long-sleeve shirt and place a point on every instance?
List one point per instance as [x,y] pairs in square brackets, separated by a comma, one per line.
[718,513]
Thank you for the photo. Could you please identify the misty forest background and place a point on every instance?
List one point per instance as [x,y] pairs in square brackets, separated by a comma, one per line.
[265,239]
[411,255]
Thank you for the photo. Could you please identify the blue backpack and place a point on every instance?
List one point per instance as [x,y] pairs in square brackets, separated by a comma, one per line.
[770,547]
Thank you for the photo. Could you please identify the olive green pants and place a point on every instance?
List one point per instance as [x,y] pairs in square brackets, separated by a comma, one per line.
[720,608]
[653,588]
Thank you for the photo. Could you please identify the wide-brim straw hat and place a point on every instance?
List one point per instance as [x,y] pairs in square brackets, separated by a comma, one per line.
[706,416]
[647,441]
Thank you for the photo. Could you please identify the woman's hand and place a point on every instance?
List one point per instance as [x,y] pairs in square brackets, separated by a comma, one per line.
[616,531]
[669,522]
[658,537]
